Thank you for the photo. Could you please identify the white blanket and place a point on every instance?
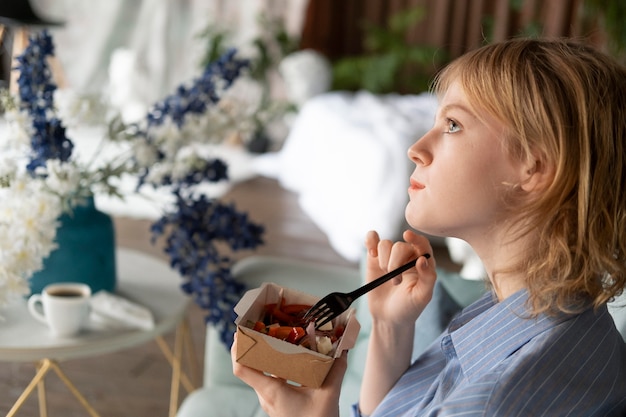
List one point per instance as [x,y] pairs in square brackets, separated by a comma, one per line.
[346,158]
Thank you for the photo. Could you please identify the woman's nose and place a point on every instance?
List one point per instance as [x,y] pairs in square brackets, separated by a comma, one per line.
[419,152]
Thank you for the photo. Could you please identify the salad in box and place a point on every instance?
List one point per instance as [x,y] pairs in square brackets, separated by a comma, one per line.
[271,338]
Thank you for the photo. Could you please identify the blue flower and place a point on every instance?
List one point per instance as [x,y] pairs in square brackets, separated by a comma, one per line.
[194,232]
[203,92]
[199,226]
[195,99]
[212,170]
[36,91]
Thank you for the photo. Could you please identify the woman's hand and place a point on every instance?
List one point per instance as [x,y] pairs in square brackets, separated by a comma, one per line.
[394,306]
[402,300]
[279,399]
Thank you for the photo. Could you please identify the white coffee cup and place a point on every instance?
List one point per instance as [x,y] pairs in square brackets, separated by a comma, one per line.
[65,307]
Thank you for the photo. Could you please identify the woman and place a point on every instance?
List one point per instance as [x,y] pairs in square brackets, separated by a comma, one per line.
[526,162]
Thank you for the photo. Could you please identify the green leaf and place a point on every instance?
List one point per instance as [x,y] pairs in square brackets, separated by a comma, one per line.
[348,73]
[383,66]
[404,20]
[380,73]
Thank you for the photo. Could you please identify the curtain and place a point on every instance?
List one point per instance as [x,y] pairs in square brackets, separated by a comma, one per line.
[161,34]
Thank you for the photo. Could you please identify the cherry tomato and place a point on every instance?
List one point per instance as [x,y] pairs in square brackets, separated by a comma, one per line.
[295,335]
[279,332]
[259,326]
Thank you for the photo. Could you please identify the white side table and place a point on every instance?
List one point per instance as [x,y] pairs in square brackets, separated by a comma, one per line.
[140,278]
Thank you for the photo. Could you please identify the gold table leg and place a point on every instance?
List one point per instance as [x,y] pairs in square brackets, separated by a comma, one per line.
[182,340]
[42,369]
[41,394]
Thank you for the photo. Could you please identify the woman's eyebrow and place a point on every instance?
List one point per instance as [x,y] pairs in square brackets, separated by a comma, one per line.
[456,106]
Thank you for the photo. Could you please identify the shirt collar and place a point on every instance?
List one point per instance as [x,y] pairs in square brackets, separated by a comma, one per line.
[488,331]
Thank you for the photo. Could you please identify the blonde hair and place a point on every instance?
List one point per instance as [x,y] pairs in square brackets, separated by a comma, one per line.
[563,104]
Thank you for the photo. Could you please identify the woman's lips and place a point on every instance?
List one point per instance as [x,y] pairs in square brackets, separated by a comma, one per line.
[416,185]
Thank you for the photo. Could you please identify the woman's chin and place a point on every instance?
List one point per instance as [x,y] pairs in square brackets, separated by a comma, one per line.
[426,227]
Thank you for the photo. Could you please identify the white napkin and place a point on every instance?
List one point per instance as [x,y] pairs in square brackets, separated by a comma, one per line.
[111,311]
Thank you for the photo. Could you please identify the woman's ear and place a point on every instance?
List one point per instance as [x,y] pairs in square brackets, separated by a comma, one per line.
[537,175]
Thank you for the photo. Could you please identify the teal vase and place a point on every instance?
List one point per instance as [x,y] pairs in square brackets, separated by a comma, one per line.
[85,253]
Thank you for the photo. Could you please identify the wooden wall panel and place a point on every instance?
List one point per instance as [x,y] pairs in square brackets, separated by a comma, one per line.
[456,25]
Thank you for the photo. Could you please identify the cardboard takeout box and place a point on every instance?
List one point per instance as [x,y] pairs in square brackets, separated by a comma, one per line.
[277,357]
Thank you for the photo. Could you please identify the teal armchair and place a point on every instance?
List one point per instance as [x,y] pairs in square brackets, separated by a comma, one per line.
[224,395]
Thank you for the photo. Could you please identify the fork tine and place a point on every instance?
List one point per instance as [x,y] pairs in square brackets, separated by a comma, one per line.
[321,313]
[326,309]
[316,310]
[325,320]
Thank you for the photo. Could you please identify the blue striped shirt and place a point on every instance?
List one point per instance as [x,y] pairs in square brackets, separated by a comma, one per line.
[491,361]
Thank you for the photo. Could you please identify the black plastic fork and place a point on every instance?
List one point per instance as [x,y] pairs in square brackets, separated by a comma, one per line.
[336,303]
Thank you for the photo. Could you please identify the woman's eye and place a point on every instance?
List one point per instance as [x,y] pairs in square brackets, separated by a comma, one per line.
[452,126]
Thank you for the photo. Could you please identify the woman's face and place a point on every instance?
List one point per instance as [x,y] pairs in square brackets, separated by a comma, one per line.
[462,172]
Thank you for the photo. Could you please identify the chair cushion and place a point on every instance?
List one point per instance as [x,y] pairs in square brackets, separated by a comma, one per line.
[224,401]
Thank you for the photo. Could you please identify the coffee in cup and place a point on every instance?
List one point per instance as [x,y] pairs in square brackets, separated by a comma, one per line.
[64,307]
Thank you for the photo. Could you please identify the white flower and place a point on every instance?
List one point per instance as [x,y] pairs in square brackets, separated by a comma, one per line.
[185,164]
[19,130]
[78,110]
[28,223]
[159,172]
[146,155]
[12,286]
[8,167]
[62,177]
